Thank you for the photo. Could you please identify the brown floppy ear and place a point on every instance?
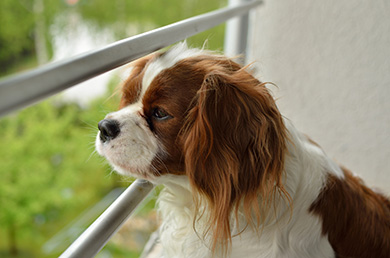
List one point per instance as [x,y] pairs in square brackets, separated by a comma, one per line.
[234,148]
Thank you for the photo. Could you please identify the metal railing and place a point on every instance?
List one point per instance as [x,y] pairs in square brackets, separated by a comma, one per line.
[22,90]
[96,236]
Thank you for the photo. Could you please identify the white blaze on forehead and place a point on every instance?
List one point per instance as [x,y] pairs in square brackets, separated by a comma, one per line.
[168,59]
[128,111]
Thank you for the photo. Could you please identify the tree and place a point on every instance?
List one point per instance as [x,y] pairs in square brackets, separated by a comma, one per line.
[24,30]
[25,137]
[43,166]
[121,16]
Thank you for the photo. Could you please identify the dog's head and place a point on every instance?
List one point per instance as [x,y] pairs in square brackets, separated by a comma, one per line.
[189,112]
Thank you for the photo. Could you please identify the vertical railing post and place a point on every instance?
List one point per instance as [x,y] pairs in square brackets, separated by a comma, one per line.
[236,34]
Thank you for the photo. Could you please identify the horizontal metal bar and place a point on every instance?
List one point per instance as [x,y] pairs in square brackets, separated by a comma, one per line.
[97,235]
[25,89]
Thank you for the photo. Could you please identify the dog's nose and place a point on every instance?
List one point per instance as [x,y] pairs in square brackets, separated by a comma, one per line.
[109,129]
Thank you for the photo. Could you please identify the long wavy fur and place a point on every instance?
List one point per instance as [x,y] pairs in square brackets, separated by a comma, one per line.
[235,143]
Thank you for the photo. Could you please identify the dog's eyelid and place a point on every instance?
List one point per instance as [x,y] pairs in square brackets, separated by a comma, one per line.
[160,114]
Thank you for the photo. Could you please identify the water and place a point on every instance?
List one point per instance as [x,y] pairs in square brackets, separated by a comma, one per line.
[71,35]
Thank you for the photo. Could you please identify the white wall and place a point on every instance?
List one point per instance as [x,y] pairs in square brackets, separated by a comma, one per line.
[331,62]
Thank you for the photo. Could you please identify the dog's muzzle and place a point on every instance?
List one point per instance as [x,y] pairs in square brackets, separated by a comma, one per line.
[109,129]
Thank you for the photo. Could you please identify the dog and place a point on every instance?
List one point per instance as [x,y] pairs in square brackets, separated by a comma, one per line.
[240,180]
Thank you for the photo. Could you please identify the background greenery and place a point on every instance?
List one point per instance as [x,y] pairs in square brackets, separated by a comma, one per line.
[48,169]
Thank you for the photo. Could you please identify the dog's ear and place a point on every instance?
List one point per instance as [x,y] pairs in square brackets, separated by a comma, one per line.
[235,141]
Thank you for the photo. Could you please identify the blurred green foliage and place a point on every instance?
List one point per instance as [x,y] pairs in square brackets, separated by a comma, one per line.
[48,170]
[18,19]
[121,14]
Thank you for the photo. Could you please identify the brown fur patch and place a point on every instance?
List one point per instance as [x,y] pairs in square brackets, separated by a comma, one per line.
[131,88]
[355,218]
[173,90]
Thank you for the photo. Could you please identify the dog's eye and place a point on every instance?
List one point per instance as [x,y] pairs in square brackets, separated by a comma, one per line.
[160,114]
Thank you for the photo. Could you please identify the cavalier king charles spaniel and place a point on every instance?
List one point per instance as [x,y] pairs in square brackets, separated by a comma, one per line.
[240,180]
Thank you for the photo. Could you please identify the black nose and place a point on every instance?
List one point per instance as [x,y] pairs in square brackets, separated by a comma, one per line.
[109,129]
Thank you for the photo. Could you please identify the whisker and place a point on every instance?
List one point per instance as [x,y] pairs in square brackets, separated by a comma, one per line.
[111,173]
[161,162]
[88,125]
[90,155]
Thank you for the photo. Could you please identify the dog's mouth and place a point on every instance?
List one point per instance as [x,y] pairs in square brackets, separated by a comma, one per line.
[127,170]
